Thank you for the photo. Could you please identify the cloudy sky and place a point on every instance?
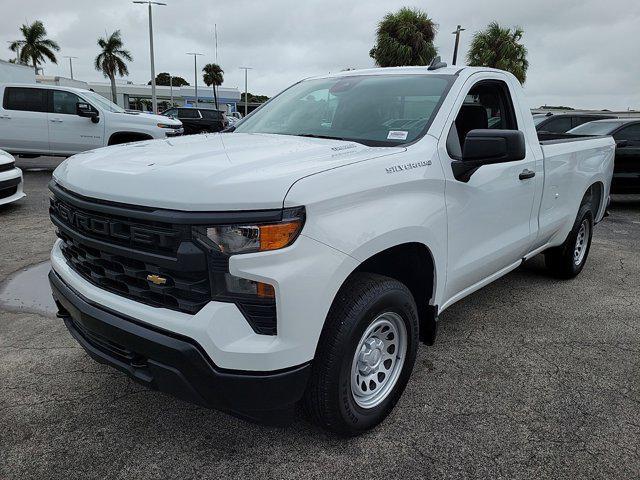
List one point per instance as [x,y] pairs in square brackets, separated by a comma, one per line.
[582,53]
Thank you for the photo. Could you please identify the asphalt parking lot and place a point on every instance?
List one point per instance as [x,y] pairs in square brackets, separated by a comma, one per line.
[529,378]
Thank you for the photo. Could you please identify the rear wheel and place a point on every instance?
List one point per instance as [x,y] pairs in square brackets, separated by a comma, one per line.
[568,260]
[365,355]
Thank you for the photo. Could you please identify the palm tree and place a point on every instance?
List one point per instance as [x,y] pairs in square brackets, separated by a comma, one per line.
[499,47]
[111,60]
[405,38]
[35,46]
[213,75]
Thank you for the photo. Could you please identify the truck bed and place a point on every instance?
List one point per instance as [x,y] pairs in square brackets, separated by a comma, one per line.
[548,138]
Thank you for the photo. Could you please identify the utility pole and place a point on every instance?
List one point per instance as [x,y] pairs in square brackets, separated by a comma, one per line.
[17,53]
[195,71]
[171,88]
[154,98]
[455,49]
[246,92]
[215,36]
[70,64]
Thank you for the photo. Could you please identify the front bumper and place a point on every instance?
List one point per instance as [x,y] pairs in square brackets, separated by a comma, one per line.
[11,186]
[175,132]
[174,364]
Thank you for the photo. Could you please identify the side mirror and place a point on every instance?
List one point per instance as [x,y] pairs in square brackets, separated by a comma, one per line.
[85,110]
[487,146]
[622,143]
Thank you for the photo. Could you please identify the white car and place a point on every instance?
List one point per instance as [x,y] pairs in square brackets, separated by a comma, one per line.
[305,255]
[10,179]
[62,121]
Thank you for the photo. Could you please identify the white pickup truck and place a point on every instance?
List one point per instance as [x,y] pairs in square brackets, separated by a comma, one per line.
[305,255]
[61,121]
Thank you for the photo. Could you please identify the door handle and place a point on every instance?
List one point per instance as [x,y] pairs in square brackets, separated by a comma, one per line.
[56,120]
[6,117]
[526,173]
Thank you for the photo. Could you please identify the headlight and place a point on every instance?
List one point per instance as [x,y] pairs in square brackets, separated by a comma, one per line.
[168,125]
[233,239]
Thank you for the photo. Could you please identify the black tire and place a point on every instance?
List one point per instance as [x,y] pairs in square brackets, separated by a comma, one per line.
[329,400]
[561,261]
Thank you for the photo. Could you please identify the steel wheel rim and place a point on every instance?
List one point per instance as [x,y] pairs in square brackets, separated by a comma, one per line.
[378,360]
[580,248]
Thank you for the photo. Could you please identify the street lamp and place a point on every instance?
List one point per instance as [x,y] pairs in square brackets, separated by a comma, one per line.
[154,99]
[70,64]
[195,71]
[455,49]
[246,93]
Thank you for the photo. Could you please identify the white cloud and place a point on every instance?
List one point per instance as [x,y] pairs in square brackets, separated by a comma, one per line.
[581,52]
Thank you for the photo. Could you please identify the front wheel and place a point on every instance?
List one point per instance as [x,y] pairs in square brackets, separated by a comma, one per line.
[365,355]
[568,260]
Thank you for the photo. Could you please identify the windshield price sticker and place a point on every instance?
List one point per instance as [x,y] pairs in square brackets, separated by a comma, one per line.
[397,135]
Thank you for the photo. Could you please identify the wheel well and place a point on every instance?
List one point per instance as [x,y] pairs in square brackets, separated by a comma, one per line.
[594,195]
[126,137]
[412,264]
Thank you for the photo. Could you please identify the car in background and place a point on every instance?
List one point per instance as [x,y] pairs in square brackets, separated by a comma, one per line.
[563,122]
[626,133]
[199,120]
[62,121]
[10,179]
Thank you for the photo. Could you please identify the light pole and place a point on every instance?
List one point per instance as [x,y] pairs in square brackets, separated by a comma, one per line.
[171,88]
[195,71]
[246,93]
[455,49]
[17,52]
[154,99]
[70,64]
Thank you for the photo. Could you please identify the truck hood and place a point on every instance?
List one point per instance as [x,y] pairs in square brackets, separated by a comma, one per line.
[214,172]
[150,118]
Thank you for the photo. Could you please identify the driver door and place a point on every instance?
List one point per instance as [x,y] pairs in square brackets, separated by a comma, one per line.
[489,213]
[70,133]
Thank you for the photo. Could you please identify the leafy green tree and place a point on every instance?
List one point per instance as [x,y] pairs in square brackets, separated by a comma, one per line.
[213,76]
[35,46]
[253,98]
[405,38]
[498,47]
[111,60]
[165,79]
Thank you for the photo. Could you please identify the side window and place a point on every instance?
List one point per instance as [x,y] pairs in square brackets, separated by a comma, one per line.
[211,114]
[487,105]
[26,99]
[557,125]
[173,112]
[630,133]
[188,113]
[65,102]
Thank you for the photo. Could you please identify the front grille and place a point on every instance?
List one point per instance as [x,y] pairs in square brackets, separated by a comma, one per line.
[118,230]
[7,166]
[137,253]
[184,291]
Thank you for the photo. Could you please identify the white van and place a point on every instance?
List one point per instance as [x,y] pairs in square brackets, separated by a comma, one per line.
[50,120]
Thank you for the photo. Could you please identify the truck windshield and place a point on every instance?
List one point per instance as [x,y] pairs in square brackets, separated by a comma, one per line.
[108,105]
[596,128]
[376,110]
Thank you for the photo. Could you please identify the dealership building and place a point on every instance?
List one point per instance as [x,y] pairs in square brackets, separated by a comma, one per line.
[129,95]
[138,97]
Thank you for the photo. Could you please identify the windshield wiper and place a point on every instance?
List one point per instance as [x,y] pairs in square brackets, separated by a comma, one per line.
[312,135]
